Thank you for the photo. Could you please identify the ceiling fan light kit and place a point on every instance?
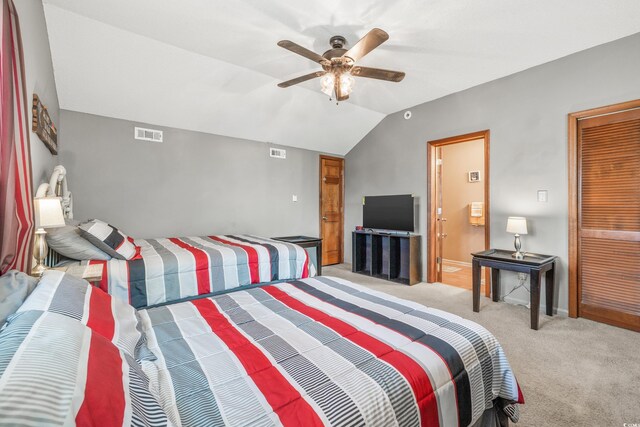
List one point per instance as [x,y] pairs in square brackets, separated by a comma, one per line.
[338,64]
[328,84]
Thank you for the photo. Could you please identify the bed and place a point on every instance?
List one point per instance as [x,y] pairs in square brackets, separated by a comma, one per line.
[148,272]
[316,351]
[301,351]
[173,269]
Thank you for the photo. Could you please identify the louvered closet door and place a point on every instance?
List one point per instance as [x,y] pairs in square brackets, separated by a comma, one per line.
[609,220]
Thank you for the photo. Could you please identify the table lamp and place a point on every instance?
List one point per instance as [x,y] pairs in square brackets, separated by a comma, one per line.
[48,211]
[517,225]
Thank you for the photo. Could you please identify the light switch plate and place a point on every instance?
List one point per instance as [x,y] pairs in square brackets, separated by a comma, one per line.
[543,196]
[294,198]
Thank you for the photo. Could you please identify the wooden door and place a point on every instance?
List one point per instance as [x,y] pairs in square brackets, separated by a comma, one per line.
[332,209]
[609,218]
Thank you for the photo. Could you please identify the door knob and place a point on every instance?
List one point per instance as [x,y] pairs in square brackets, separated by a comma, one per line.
[324,218]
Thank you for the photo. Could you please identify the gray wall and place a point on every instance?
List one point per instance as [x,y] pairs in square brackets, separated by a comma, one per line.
[38,79]
[190,184]
[527,115]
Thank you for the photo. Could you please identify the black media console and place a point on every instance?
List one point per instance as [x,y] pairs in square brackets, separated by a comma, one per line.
[394,257]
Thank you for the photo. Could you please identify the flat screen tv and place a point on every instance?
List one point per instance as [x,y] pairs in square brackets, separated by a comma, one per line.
[388,212]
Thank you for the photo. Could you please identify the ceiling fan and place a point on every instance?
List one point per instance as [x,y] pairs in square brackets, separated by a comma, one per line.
[338,64]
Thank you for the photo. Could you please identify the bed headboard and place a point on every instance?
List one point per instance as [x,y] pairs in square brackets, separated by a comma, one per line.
[58,187]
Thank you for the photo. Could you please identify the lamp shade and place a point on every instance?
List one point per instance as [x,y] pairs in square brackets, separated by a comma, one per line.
[48,212]
[517,225]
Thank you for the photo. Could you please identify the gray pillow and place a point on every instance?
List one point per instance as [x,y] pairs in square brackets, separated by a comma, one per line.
[68,242]
[15,287]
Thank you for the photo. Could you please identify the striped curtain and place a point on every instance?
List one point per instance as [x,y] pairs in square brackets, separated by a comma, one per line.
[16,209]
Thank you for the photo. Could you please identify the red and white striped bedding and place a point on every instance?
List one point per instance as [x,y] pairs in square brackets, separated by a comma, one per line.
[115,320]
[322,352]
[170,269]
[55,371]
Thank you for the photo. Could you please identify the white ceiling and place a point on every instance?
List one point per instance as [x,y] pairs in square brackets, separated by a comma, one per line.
[213,65]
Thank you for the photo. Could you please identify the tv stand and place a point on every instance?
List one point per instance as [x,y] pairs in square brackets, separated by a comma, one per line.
[394,257]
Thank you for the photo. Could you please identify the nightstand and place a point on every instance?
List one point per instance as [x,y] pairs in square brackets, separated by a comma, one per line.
[90,273]
[535,265]
[307,243]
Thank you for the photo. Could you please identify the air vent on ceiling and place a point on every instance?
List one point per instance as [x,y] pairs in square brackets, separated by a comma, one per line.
[278,153]
[152,135]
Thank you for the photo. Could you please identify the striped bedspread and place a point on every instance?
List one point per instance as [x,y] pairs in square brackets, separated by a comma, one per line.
[170,269]
[322,351]
[55,371]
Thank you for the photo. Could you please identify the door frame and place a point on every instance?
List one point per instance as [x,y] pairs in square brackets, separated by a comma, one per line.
[431,198]
[341,159]
[574,192]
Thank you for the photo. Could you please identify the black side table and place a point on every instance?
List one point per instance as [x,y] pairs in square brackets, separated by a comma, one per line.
[306,242]
[532,264]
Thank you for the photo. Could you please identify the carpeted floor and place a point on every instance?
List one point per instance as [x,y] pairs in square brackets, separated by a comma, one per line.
[573,372]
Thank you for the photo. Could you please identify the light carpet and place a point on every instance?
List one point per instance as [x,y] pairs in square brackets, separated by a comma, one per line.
[573,372]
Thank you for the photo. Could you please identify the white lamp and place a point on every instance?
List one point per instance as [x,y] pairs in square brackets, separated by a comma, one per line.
[49,214]
[517,225]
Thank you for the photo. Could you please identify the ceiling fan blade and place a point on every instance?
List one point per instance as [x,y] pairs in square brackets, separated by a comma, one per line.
[301,79]
[370,41]
[296,48]
[377,73]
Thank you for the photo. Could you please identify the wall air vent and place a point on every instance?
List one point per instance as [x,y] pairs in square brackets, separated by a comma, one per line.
[152,135]
[278,153]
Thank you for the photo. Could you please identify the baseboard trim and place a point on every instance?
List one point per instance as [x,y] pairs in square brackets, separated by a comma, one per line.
[556,311]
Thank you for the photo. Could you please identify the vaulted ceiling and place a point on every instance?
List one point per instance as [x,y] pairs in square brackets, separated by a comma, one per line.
[212,65]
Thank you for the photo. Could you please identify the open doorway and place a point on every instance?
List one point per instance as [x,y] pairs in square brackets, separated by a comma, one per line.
[458,185]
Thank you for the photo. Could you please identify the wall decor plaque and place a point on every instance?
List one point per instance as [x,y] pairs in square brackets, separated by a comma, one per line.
[43,126]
